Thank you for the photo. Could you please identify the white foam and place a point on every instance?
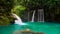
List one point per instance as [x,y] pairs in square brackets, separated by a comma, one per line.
[18,20]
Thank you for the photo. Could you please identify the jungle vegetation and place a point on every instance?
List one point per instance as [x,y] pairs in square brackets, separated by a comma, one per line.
[7,7]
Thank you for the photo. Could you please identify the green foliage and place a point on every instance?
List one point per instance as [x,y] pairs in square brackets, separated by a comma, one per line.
[37,3]
[5,11]
[19,7]
[50,6]
[19,10]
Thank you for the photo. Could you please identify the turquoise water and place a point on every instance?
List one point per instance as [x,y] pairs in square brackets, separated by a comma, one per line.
[46,27]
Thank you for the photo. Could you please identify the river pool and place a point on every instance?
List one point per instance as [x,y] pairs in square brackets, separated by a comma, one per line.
[46,27]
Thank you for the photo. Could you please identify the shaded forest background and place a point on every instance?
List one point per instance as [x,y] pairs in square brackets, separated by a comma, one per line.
[22,7]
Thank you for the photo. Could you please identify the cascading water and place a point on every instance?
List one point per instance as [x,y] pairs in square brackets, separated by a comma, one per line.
[33,16]
[18,20]
[40,15]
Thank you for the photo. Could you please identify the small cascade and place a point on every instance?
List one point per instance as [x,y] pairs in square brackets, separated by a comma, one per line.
[33,16]
[40,15]
[18,20]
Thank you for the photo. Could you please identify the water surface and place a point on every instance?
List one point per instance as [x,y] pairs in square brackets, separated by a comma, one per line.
[46,27]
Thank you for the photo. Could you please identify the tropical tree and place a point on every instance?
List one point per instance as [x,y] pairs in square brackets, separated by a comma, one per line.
[5,11]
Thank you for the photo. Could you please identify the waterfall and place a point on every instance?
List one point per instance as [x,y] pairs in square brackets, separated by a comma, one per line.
[33,16]
[40,15]
[18,20]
